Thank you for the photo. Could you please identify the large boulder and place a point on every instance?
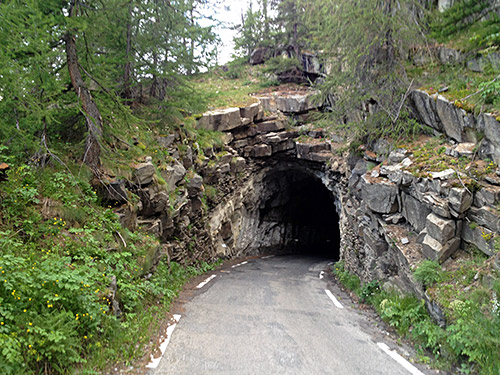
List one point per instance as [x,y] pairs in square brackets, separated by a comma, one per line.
[494,60]
[488,124]
[480,237]
[415,212]
[311,64]
[434,250]
[480,63]
[143,173]
[297,103]
[221,120]
[259,55]
[262,150]
[113,191]
[488,195]
[449,56]
[375,243]
[306,149]
[460,200]
[268,103]
[425,108]
[195,185]
[238,164]
[167,141]
[440,206]
[454,120]
[173,174]
[270,126]
[485,216]
[381,196]
[476,64]
[160,202]
[251,111]
[442,230]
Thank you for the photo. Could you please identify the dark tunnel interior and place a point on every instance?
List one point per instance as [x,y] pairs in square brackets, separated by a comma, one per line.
[305,210]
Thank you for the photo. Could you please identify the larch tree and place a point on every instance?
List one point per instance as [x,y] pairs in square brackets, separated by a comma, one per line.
[89,107]
[100,51]
[365,44]
[250,31]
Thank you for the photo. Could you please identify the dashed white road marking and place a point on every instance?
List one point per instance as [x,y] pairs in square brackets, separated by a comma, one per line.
[239,264]
[403,362]
[321,274]
[163,347]
[334,300]
[202,284]
[267,257]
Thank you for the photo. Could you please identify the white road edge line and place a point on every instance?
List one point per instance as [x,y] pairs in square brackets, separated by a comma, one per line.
[267,257]
[240,264]
[334,300]
[321,274]
[163,347]
[202,284]
[403,362]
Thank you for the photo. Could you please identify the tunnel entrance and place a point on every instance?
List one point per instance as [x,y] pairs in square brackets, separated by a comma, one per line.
[304,210]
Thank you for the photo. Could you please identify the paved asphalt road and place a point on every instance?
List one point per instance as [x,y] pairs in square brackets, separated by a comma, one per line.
[272,316]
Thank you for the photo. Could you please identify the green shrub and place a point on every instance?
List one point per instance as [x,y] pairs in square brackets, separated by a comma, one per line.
[467,17]
[472,333]
[428,273]
[350,281]
[475,336]
[279,65]
[236,68]
[402,312]
[369,291]
[490,92]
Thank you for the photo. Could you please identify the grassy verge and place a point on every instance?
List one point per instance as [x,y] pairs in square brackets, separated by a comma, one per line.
[222,91]
[470,340]
[61,253]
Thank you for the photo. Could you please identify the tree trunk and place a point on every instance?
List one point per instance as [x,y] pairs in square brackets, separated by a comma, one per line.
[127,93]
[191,49]
[93,117]
[154,84]
[296,46]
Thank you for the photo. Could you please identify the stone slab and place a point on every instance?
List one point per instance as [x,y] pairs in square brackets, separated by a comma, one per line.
[221,120]
[440,229]
[415,212]
[380,197]
[433,250]
[480,237]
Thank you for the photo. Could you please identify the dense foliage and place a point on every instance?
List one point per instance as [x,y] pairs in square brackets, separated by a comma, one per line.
[478,19]
[473,324]
[73,292]
[120,52]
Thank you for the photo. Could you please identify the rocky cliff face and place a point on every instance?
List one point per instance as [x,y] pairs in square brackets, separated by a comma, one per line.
[273,187]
